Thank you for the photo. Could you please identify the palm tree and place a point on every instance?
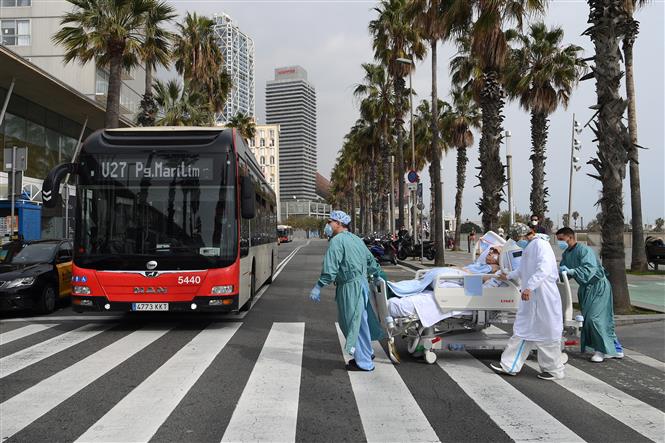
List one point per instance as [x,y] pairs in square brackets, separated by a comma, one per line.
[180,105]
[576,215]
[155,51]
[487,52]
[607,21]
[110,32]
[541,74]
[199,60]
[434,23]
[377,107]
[639,258]
[245,125]
[465,115]
[394,38]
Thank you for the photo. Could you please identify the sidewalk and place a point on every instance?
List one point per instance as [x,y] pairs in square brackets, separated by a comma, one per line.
[646,291]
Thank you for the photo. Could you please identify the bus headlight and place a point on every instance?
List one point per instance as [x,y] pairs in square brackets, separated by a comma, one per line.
[222,290]
[80,290]
[20,282]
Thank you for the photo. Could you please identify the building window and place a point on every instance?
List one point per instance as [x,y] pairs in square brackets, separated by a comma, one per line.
[272,159]
[251,142]
[272,142]
[263,162]
[262,133]
[272,133]
[263,142]
[12,3]
[15,32]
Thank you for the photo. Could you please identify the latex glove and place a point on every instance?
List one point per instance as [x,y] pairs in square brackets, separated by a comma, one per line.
[315,294]
[569,272]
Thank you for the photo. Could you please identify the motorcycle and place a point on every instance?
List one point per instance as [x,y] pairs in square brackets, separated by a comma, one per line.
[408,248]
[383,250]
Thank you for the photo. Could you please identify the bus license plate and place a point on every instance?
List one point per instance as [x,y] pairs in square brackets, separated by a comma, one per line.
[150,306]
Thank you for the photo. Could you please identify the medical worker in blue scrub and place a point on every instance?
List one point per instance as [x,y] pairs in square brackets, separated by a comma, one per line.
[348,263]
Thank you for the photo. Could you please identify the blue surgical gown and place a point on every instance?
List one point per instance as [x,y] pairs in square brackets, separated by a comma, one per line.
[595,298]
[348,263]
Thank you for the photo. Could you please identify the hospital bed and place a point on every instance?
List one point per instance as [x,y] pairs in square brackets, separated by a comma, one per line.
[483,308]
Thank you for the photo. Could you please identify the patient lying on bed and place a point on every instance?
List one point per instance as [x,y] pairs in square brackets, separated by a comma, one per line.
[416,297]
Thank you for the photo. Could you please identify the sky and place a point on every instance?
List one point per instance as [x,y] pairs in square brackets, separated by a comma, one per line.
[330,40]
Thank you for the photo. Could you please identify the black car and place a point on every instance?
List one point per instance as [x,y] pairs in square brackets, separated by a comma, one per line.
[35,274]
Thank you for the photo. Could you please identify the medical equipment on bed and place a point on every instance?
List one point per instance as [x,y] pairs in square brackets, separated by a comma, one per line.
[488,306]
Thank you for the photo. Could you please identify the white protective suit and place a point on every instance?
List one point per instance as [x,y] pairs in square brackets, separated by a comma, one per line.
[539,321]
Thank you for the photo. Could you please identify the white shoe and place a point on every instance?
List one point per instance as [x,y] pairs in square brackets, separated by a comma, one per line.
[617,355]
[598,357]
[498,369]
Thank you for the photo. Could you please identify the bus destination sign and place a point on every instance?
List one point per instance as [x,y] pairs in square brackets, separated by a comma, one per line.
[156,169]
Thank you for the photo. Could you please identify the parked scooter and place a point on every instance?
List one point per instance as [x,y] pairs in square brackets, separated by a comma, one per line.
[384,251]
[408,249]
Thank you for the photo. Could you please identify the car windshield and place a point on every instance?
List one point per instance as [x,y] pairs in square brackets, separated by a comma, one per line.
[27,253]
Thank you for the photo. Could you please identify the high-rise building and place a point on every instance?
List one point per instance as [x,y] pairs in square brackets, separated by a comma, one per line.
[291,103]
[27,27]
[265,146]
[238,51]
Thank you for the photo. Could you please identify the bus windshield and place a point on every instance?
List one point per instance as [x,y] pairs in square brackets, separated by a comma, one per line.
[181,214]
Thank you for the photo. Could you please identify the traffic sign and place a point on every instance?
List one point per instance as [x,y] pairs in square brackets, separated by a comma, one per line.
[411,186]
[412,176]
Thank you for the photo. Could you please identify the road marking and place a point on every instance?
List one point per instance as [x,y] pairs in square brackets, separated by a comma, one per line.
[26,407]
[512,411]
[286,261]
[413,271]
[387,408]
[140,414]
[29,356]
[268,407]
[16,334]
[641,417]
[644,359]
[66,318]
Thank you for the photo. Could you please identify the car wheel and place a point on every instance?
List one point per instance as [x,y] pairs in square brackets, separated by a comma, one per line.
[47,300]
[430,255]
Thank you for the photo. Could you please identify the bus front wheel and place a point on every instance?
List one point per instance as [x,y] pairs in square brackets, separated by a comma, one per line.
[252,291]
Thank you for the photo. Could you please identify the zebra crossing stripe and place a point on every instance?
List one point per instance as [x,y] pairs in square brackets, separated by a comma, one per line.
[268,407]
[138,416]
[29,356]
[512,411]
[387,408]
[16,334]
[644,359]
[635,414]
[26,407]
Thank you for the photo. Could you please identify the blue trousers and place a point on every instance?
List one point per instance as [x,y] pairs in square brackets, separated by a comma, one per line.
[363,352]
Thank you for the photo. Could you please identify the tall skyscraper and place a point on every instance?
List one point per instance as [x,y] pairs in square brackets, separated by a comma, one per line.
[291,103]
[238,51]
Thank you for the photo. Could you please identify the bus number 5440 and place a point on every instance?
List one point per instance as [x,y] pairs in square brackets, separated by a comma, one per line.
[192,280]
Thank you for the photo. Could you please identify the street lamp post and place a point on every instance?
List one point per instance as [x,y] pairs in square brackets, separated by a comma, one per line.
[575,145]
[509,170]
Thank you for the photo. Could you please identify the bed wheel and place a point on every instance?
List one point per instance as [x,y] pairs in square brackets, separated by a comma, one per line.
[430,357]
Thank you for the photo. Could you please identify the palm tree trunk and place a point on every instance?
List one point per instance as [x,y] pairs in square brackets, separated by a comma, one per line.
[462,160]
[539,192]
[612,143]
[639,259]
[362,205]
[353,201]
[112,118]
[491,174]
[435,167]
[400,177]
[148,79]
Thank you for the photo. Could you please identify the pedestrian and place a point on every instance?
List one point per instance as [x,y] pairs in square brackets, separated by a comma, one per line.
[537,224]
[594,295]
[539,321]
[471,240]
[348,263]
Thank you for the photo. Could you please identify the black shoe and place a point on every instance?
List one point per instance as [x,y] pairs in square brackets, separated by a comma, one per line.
[548,376]
[353,366]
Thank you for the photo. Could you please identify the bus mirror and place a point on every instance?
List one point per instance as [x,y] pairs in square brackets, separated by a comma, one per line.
[51,186]
[247,205]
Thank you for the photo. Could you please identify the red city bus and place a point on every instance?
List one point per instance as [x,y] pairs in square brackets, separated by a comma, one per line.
[168,219]
[284,233]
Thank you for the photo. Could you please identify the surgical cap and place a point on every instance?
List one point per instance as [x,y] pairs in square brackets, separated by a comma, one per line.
[518,230]
[340,216]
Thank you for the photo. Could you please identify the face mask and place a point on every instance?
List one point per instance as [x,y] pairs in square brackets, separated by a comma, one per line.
[328,231]
[522,243]
[534,222]
[562,245]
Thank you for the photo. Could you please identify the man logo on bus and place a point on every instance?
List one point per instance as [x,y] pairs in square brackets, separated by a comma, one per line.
[151,273]
[152,264]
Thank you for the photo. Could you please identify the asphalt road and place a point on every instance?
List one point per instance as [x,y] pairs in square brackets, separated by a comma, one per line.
[277,374]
